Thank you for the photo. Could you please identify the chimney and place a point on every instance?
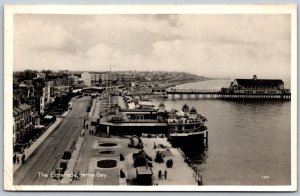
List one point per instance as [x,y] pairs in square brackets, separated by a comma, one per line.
[16,101]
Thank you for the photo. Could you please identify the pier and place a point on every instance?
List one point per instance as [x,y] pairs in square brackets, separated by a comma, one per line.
[218,94]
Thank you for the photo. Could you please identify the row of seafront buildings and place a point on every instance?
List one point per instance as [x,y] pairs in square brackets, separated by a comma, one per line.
[37,96]
[33,93]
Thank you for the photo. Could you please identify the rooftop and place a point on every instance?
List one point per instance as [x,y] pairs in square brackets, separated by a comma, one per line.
[259,82]
[21,108]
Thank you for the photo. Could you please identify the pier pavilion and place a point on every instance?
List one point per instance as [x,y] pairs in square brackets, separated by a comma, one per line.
[239,89]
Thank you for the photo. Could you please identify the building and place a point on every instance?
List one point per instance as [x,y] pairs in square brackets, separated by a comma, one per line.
[43,94]
[87,79]
[73,80]
[101,78]
[80,83]
[104,78]
[59,79]
[94,79]
[47,92]
[23,115]
[127,77]
[26,92]
[257,86]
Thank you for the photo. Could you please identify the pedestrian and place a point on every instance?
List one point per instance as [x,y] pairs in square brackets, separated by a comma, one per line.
[18,159]
[166,174]
[122,174]
[74,177]
[159,174]
[23,158]
[122,157]
[14,158]
[77,175]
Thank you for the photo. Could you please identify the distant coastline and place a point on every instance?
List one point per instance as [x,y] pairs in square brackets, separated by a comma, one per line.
[173,84]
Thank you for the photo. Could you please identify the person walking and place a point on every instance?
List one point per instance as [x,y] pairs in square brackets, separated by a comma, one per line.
[78,175]
[74,175]
[18,159]
[159,174]
[166,174]
[122,174]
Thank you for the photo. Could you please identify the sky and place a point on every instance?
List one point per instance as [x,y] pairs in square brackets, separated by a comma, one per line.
[219,45]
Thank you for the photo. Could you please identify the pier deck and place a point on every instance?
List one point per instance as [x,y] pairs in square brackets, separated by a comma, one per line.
[217,94]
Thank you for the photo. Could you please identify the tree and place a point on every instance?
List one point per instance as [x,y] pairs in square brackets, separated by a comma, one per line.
[47,72]
[24,75]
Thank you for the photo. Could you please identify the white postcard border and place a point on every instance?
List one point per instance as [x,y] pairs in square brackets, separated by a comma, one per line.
[10,10]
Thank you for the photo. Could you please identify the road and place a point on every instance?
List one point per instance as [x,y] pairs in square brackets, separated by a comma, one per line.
[46,157]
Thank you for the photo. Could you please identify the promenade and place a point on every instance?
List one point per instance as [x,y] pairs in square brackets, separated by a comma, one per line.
[37,143]
[46,155]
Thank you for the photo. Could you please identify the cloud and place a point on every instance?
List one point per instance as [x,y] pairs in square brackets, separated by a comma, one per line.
[211,45]
[38,35]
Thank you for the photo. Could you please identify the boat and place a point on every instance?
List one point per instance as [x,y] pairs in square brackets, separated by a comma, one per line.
[186,126]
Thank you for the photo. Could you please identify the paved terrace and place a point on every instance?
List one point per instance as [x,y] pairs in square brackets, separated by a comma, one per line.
[91,153]
[179,174]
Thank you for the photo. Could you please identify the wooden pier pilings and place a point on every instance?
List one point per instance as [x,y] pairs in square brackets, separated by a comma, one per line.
[205,94]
